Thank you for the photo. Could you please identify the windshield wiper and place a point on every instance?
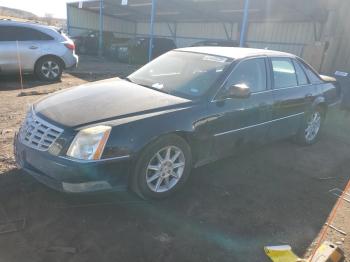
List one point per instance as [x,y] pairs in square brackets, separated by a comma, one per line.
[126,78]
[153,88]
[144,85]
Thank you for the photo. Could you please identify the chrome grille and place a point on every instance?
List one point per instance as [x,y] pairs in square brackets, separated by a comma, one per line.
[38,133]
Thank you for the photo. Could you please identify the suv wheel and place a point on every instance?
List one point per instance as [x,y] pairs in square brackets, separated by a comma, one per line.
[49,69]
[162,168]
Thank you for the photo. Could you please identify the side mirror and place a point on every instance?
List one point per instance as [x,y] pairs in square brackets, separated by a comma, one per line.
[239,91]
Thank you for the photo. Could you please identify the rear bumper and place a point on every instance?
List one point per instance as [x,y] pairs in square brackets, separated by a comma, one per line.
[65,175]
[71,60]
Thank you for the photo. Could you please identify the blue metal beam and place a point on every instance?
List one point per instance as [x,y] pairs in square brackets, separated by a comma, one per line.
[100,40]
[68,22]
[153,13]
[244,24]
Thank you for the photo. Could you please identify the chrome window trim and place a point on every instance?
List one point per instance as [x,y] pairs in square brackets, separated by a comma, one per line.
[289,87]
[260,124]
[265,91]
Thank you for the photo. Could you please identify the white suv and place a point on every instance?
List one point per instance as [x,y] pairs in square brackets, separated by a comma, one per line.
[38,49]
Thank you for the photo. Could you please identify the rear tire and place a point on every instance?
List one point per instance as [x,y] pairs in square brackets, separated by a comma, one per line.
[310,128]
[49,69]
[162,168]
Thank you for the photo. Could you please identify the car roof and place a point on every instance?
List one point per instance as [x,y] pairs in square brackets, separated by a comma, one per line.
[6,22]
[234,52]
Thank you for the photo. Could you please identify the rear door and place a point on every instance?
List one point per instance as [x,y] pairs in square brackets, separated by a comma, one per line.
[242,122]
[21,46]
[292,95]
[8,50]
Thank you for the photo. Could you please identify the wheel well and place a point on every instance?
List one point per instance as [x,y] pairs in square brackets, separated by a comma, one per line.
[184,135]
[323,107]
[52,56]
[187,137]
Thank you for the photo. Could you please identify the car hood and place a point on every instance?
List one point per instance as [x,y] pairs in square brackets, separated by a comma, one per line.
[104,101]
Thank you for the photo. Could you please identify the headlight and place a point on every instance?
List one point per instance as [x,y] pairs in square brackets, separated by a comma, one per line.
[89,143]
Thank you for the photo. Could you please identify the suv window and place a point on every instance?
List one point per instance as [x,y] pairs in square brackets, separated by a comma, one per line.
[302,79]
[283,73]
[314,79]
[251,72]
[16,33]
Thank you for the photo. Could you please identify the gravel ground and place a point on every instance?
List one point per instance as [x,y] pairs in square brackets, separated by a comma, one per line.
[229,210]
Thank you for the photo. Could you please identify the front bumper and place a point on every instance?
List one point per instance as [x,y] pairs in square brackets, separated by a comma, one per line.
[67,175]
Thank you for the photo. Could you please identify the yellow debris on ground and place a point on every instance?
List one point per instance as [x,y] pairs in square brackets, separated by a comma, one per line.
[327,252]
[281,254]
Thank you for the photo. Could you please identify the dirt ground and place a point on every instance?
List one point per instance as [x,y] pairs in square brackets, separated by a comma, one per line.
[228,211]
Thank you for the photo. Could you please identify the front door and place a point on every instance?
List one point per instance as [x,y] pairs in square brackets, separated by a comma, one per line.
[241,122]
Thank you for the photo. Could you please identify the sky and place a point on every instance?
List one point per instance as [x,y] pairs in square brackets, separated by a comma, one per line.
[39,7]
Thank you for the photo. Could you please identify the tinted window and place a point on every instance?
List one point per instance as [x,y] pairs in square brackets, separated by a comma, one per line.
[314,79]
[5,33]
[302,79]
[15,33]
[251,72]
[283,73]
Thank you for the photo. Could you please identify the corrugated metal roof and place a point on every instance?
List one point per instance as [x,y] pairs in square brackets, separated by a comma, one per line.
[212,10]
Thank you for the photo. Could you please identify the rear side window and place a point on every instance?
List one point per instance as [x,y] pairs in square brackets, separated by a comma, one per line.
[16,33]
[302,79]
[251,72]
[284,73]
[314,79]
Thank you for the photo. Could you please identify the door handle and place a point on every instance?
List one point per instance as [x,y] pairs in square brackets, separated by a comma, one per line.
[33,47]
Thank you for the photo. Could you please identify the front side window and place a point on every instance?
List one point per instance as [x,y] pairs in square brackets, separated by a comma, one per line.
[250,72]
[283,73]
[183,74]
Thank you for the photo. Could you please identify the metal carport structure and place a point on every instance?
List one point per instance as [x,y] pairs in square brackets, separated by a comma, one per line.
[277,24]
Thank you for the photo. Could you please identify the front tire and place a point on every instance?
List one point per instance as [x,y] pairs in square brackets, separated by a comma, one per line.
[49,69]
[162,168]
[310,129]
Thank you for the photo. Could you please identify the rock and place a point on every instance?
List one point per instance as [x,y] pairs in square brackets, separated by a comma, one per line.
[339,243]
[164,238]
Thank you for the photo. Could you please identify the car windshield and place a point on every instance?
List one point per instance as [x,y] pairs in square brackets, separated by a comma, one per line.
[183,74]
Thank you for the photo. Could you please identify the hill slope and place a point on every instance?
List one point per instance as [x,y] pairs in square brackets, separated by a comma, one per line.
[20,15]
[11,12]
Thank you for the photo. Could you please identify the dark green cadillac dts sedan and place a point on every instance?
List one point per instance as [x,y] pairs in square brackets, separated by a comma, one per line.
[184,109]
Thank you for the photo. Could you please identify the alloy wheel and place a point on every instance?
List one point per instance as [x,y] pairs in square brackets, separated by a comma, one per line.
[313,126]
[50,69]
[165,169]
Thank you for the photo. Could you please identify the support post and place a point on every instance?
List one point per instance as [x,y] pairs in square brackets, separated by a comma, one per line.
[175,33]
[244,24]
[153,12]
[100,40]
[226,31]
[68,18]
